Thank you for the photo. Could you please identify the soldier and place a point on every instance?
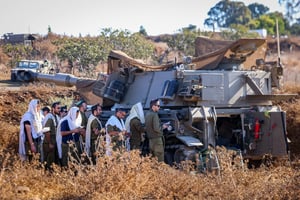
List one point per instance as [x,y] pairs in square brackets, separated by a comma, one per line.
[82,109]
[49,146]
[154,131]
[30,131]
[93,131]
[115,130]
[135,126]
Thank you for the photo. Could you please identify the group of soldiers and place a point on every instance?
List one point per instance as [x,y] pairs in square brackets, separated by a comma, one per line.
[60,135]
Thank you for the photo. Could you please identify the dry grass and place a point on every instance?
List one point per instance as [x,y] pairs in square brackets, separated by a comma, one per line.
[129,176]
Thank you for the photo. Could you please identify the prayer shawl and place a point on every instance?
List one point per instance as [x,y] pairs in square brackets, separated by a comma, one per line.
[73,123]
[136,111]
[49,116]
[88,133]
[34,117]
[113,121]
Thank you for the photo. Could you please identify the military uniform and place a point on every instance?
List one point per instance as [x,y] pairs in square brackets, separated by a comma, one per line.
[94,125]
[51,154]
[84,119]
[115,140]
[136,129]
[155,135]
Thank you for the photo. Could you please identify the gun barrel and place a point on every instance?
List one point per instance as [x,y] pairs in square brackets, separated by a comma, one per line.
[61,79]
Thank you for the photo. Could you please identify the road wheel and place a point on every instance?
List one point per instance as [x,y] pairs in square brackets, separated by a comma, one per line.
[13,77]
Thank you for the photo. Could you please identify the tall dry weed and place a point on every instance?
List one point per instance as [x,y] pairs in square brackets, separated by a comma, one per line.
[130,176]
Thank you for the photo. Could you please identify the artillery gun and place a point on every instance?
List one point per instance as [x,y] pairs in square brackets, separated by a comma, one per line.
[220,98]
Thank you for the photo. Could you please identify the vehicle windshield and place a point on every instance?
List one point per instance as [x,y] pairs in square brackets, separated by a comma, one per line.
[26,64]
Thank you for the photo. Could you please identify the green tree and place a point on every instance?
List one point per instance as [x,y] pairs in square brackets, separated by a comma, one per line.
[257,10]
[268,22]
[80,52]
[86,52]
[183,41]
[49,29]
[227,12]
[292,8]
[18,52]
[135,45]
[143,31]
[295,29]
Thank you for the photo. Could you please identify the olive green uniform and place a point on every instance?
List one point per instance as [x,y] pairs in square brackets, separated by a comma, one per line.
[136,130]
[117,143]
[50,154]
[94,125]
[155,135]
[84,119]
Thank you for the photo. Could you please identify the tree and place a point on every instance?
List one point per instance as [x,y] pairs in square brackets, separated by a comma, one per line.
[82,51]
[183,41]
[227,12]
[17,52]
[135,45]
[49,29]
[282,22]
[292,8]
[268,22]
[85,53]
[257,10]
[143,31]
[295,29]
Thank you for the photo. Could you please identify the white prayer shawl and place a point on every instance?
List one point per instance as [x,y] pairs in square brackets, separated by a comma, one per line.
[136,111]
[112,121]
[73,123]
[49,116]
[34,118]
[88,133]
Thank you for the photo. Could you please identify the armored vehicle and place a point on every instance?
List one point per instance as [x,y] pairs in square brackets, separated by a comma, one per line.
[24,69]
[224,97]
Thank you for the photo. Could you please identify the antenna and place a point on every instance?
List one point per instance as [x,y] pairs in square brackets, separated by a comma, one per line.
[279,66]
[278,43]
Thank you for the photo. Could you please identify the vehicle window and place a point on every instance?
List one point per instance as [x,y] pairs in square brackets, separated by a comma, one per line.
[23,64]
[33,65]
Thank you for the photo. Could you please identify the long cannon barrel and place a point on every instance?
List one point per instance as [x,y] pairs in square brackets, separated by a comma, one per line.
[86,87]
[61,79]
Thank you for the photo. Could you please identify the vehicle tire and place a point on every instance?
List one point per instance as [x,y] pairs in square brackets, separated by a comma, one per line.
[27,77]
[13,77]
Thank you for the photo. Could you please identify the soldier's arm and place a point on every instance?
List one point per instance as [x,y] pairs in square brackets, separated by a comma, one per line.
[156,124]
[95,127]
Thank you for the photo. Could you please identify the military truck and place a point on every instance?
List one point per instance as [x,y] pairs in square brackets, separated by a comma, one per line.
[25,68]
[224,97]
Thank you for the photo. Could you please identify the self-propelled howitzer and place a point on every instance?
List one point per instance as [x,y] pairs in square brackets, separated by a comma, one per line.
[224,97]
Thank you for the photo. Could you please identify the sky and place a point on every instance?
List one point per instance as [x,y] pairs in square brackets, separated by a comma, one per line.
[74,17]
